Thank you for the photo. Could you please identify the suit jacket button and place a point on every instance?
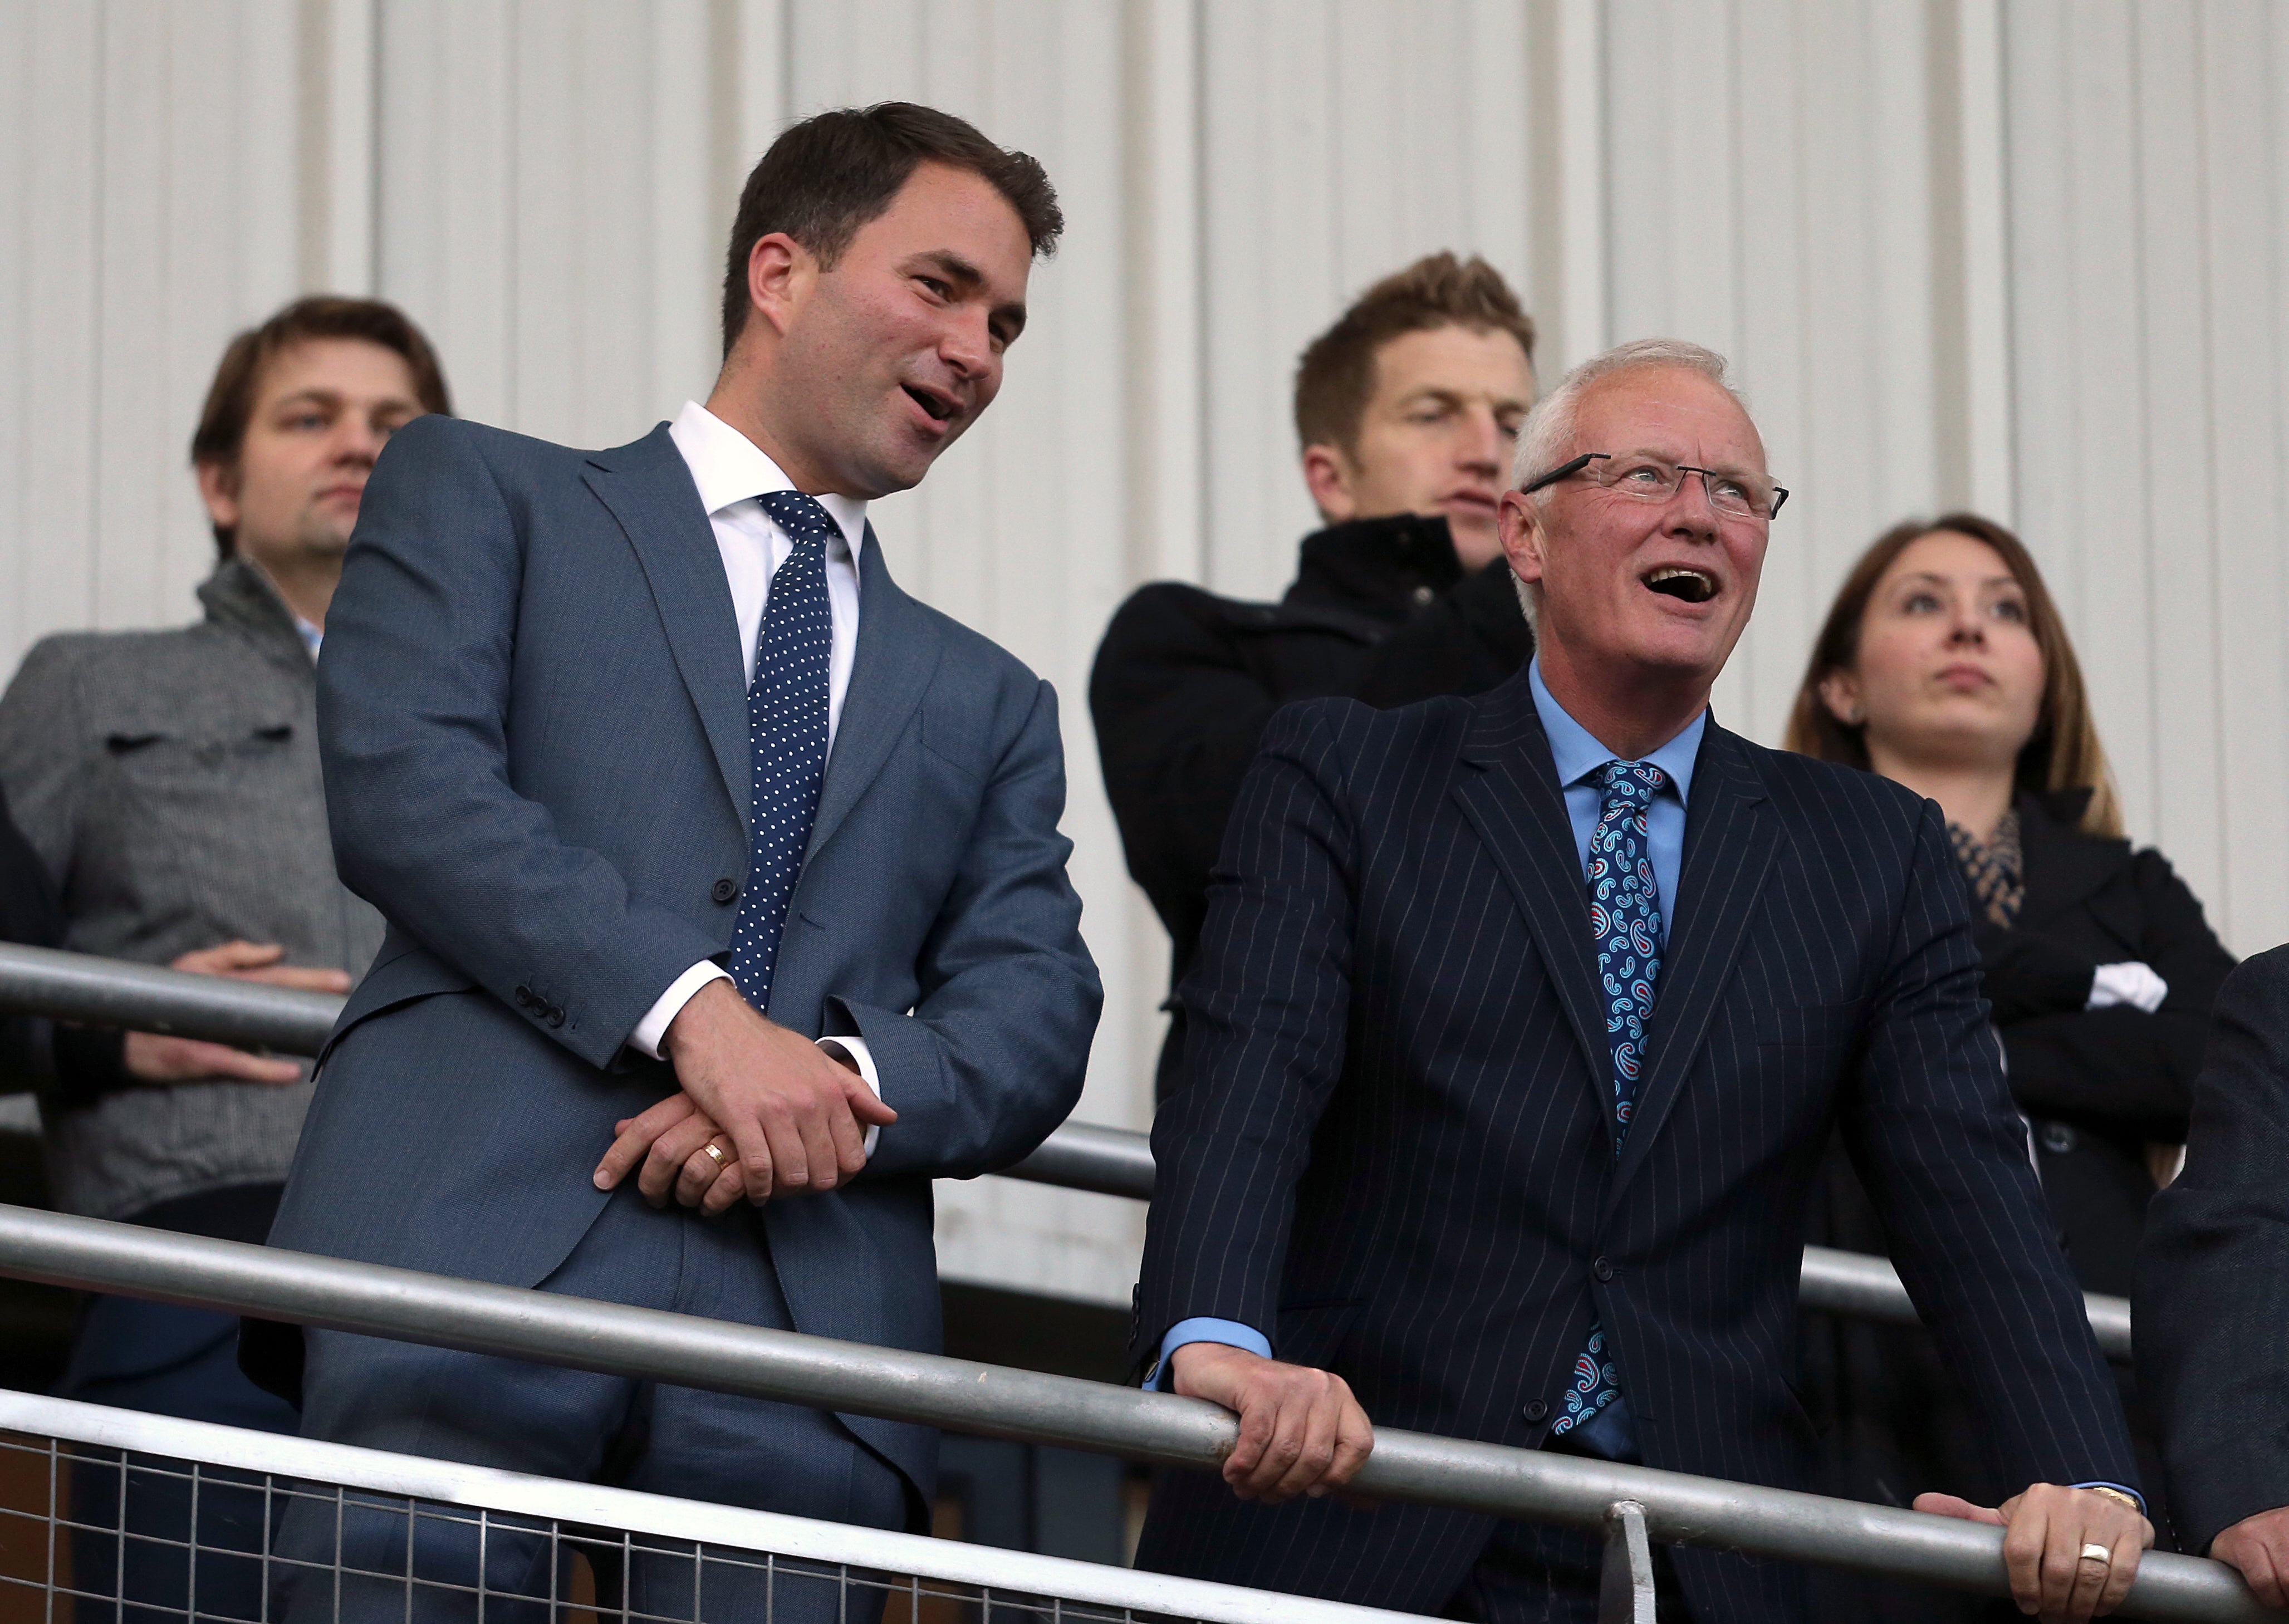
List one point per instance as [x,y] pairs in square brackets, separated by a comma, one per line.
[1536,1411]
[724,890]
[523,996]
[1603,1270]
[556,1017]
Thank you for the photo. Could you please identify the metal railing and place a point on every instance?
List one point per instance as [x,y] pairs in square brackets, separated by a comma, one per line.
[1106,1160]
[136,1459]
[1032,1407]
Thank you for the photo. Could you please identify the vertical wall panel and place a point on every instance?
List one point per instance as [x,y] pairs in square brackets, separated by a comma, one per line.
[2245,55]
[1335,150]
[18,392]
[61,92]
[2148,291]
[154,209]
[2173,247]
[548,205]
[447,155]
[1770,198]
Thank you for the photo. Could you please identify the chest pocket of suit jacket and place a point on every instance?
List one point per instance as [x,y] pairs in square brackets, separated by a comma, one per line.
[1312,1332]
[1807,1026]
[227,801]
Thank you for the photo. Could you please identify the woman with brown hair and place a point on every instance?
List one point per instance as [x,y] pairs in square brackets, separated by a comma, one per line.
[1943,666]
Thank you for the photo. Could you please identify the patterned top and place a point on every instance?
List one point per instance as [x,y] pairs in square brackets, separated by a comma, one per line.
[1995,871]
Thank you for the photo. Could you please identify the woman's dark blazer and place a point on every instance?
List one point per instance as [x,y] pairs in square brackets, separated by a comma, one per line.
[2099,1084]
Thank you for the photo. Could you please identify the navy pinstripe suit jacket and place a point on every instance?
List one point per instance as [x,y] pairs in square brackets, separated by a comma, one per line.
[1393,1149]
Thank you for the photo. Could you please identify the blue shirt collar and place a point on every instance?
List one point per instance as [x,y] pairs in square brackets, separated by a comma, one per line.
[1579,755]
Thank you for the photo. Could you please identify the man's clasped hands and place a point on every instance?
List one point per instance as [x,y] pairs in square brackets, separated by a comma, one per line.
[761,1112]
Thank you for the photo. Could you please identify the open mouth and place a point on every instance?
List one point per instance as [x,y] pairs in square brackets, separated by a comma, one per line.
[1691,585]
[940,406]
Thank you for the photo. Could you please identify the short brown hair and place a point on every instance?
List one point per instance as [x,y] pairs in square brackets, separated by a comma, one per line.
[223,421]
[829,175]
[1336,378]
[2064,753]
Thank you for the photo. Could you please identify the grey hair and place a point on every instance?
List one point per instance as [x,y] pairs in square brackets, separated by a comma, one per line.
[1549,428]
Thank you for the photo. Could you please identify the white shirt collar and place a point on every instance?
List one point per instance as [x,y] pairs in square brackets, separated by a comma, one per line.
[730,468]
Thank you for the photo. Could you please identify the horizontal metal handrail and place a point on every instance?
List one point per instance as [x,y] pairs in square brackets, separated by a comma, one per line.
[1078,1156]
[1030,1407]
[564,1504]
[39,981]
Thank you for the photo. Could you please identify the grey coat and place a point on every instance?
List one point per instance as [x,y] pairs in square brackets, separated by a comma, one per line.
[537,763]
[170,782]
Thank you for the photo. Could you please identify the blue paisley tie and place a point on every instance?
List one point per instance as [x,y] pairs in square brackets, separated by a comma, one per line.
[787,732]
[1625,923]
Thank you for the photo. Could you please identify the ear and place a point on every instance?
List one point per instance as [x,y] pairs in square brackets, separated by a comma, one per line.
[1327,475]
[1840,691]
[218,489]
[780,275]
[1522,535]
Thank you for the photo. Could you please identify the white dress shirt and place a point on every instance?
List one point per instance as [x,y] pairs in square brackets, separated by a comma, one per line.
[731,473]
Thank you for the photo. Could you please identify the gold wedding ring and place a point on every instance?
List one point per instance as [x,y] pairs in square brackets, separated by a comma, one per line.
[716,1151]
[2100,1554]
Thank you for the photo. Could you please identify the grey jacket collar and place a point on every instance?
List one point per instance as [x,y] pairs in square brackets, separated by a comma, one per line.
[240,599]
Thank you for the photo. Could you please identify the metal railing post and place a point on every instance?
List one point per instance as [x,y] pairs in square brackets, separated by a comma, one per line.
[1625,1586]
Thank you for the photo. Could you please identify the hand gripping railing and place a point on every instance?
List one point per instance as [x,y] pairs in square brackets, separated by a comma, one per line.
[987,1399]
[1107,1161]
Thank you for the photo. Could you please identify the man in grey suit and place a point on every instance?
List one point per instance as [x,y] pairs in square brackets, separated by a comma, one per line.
[705,850]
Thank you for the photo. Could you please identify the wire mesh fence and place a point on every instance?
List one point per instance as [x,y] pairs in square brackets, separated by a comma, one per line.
[216,1523]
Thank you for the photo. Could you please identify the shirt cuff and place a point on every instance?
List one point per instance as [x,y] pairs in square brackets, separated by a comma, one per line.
[863,1058]
[646,1037]
[1231,1332]
[2119,1488]
[2129,982]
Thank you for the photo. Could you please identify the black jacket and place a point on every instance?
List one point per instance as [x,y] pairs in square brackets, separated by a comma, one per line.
[2091,901]
[1184,682]
[2214,1267]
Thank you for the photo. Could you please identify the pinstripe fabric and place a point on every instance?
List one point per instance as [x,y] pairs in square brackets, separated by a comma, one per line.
[1390,1147]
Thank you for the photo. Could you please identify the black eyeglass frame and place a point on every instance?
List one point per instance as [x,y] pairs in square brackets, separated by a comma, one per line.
[1567,471]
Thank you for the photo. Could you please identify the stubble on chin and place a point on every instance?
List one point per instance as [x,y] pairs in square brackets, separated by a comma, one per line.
[322,536]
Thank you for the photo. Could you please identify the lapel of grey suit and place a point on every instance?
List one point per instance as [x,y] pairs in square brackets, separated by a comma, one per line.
[1730,838]
[1509,791]
[647,487]
[898,649]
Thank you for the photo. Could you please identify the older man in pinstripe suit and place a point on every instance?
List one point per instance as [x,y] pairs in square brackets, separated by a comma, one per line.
[1520,1024]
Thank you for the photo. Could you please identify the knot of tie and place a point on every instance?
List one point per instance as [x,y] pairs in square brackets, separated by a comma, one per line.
[804,518]
[1632,783]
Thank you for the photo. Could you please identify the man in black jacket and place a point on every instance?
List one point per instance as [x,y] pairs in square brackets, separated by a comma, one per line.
[1407,409]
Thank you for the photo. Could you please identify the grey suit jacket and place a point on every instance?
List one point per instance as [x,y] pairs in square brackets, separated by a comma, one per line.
[170,782]
[534,734]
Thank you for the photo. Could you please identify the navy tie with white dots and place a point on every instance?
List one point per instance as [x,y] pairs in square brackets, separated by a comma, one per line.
[787,733]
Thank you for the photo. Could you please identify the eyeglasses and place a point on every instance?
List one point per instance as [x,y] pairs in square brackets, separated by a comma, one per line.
[1655,479]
